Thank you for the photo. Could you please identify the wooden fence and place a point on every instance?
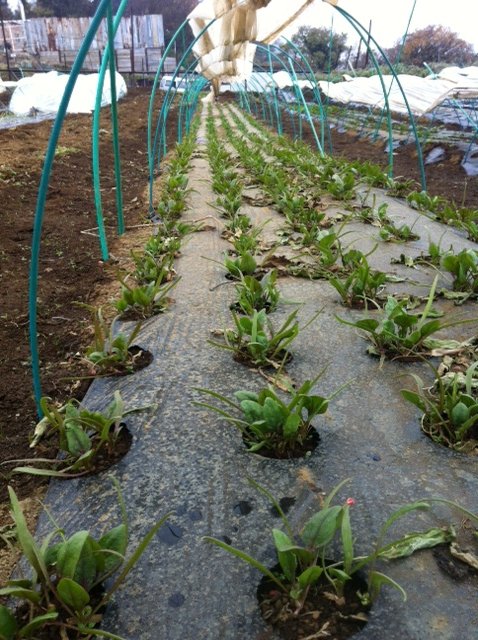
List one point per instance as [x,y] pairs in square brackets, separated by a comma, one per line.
[54,42]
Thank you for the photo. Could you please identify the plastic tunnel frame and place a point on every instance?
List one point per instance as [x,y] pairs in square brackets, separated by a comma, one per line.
[107,60]
[362,32]
[153,143]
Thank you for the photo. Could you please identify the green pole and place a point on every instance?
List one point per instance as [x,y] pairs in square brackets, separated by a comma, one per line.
[96,137]
[164,108]
[151,109]
[42,193]
[377,129]
[315,89]
[306,109]
[355,24]
[276,106]
[114,120]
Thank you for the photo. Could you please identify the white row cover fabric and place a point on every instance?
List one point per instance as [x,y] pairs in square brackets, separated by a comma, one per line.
[423,94]
[226,49]
[43,92]
[261,82]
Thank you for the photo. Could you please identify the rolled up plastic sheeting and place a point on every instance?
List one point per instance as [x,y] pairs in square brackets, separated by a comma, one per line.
[226,49]
[423,94]
[43,92]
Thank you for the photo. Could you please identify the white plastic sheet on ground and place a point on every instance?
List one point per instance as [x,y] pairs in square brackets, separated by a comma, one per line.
[260,82]
[423,94]
[44,91]
[227,49]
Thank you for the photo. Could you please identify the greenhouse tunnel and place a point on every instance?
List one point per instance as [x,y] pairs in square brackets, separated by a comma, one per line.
[262,241]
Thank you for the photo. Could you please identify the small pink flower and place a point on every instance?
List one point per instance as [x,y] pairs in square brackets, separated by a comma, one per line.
[350,502]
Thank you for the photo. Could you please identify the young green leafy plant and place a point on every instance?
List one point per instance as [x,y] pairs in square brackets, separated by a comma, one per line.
[268,423]
[255,342]
[450,409]
[82,435]
[389,232]
[362,284]
[111,353]
[253,293]
[151,268]
[471,228]
[400,335]
[244,265]
[321,557]
[463,267]
[145,300]
[65,574]
[238,225]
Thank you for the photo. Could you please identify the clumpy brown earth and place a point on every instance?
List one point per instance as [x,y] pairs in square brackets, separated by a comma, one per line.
[71,269]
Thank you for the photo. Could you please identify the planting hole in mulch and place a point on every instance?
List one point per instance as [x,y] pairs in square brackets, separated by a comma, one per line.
[141,358]
[57,630]
[106,459]
[467,445]
[324,614]
[459,560]
[292,451]
[282,358]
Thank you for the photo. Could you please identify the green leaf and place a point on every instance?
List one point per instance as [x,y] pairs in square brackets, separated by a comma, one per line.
[22,594]
[8,624]
[98,633]
[42,472]
[287,559]
[77,559]
[252,411]
[377,579]
[320,529]
[412,542]
[37,623]
[340,574]
[72,594]
[246,395]
[115,540]
[27,544]
[414,398]
[459,414]
[291,425]
[369,325]
[315,405]
[273,414]
[78,441]
[347,540]
[310,576]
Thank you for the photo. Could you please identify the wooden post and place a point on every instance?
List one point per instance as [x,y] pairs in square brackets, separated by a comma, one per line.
[358,54]
[7,52]
[368,45]
[132,41]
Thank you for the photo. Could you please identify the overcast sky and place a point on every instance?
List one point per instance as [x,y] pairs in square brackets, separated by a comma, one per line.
[390,17]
